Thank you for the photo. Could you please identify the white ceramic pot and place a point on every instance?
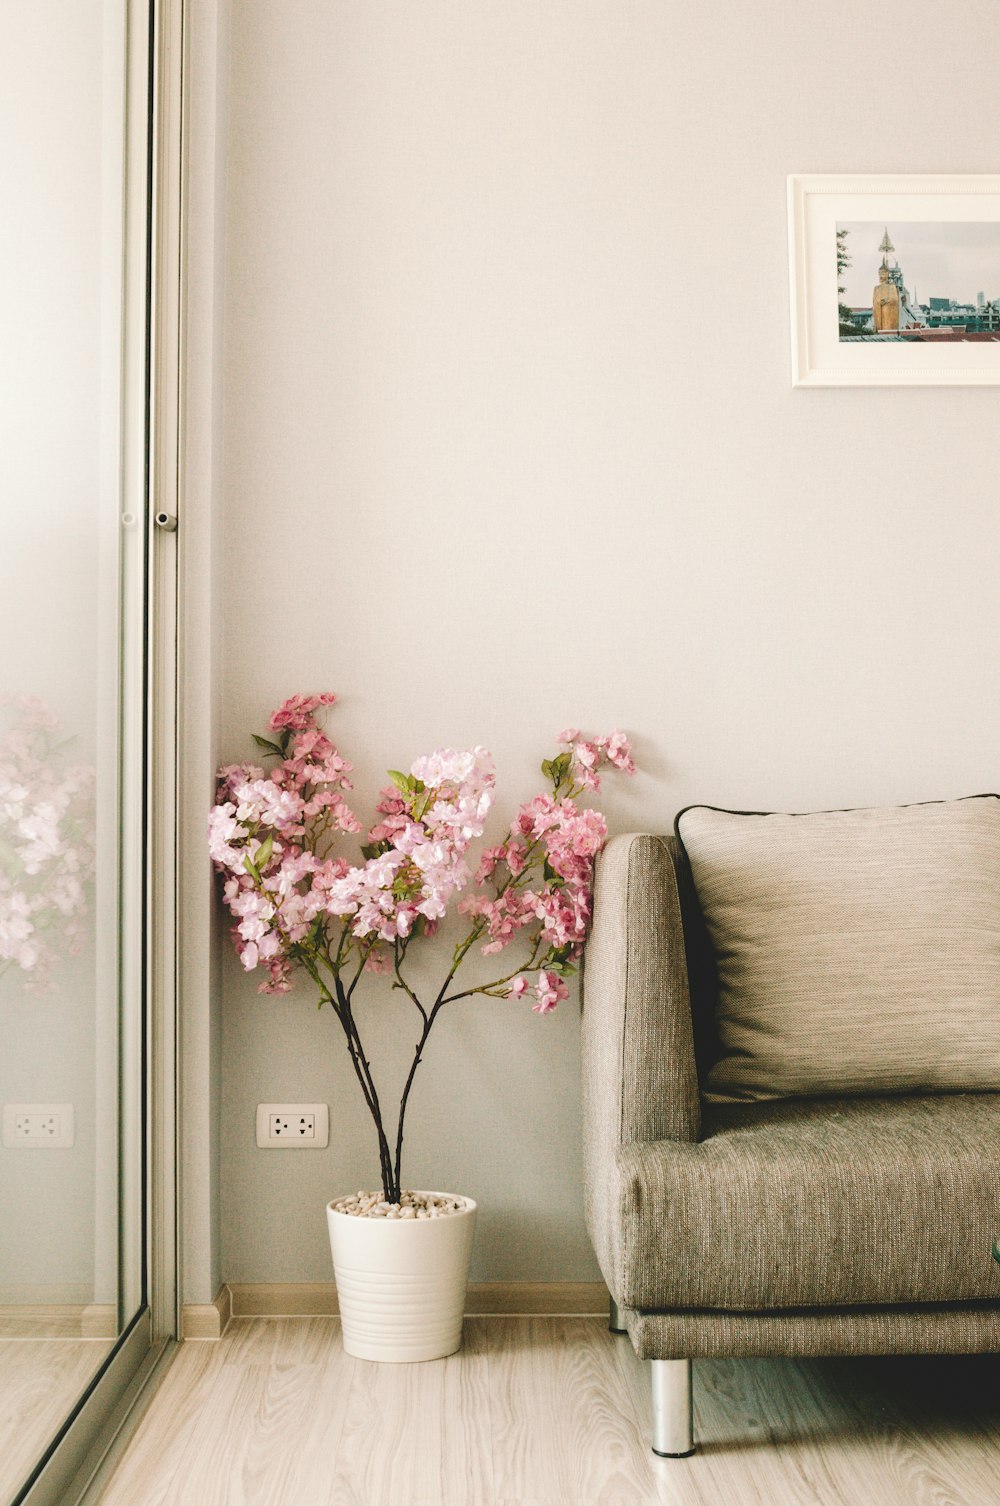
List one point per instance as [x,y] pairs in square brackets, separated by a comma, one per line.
[401,1282]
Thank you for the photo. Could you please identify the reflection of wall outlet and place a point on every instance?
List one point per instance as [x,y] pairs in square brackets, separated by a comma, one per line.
[38,1126]
[293,1126]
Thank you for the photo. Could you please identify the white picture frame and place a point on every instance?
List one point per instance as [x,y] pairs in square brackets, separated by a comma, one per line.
[923,355]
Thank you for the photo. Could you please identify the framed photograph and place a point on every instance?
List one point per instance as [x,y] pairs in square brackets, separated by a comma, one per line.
[895,280]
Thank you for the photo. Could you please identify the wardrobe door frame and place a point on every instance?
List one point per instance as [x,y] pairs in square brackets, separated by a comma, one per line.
[82,1456]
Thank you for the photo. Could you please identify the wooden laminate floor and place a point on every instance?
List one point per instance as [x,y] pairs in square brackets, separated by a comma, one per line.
[551,1412]
[41,1380]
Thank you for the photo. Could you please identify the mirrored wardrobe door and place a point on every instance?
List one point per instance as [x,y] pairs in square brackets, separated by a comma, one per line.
[74,566]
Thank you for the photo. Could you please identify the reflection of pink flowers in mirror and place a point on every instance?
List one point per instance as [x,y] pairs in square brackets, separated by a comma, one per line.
[46,843]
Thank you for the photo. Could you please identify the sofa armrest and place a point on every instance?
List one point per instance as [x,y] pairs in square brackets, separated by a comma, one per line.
[640,1081]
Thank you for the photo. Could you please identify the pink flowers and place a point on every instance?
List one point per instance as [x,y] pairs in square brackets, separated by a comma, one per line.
[295,903]
[299,905]
[587,755]
[416,855]
[46,846]
[549,990]
[298,712]
[563,839]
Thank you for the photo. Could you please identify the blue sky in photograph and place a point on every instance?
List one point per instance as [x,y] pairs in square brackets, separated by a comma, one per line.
[941,260]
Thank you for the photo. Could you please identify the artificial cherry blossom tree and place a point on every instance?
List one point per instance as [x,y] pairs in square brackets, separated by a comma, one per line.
[301,906]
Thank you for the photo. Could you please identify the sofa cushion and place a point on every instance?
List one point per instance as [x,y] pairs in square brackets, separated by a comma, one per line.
[823,1203]
[857,951]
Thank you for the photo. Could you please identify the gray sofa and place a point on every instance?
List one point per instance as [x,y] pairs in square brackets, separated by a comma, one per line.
[790,1227]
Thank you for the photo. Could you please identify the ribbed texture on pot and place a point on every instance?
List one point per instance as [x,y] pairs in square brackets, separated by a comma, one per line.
[398,1317]
[401,1283]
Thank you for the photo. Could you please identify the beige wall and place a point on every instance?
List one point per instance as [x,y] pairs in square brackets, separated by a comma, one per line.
[511,442]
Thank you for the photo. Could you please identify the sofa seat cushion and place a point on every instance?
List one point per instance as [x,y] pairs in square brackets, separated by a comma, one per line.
[858,951]
[816,1203]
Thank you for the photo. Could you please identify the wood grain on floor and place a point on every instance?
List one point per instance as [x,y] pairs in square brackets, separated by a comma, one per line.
[41,1381]
[550,1412]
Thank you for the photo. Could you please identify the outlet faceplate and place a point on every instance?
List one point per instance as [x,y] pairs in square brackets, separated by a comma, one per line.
[38,1126]
[293,1126]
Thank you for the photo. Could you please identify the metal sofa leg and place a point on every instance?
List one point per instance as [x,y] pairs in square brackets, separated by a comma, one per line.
[615,1323]
[673,1425]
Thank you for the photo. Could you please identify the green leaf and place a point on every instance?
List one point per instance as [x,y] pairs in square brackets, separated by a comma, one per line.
[401,781]
[251,868]
[265,850]
[265,742]
[547,767]
[550,875]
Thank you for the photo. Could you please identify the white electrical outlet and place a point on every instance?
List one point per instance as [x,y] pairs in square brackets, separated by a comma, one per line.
[38,1126]
[293,1126]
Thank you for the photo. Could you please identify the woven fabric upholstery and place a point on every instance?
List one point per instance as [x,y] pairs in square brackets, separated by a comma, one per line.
[972,1328]
[858,951]
[639,1078]
[830,1203]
